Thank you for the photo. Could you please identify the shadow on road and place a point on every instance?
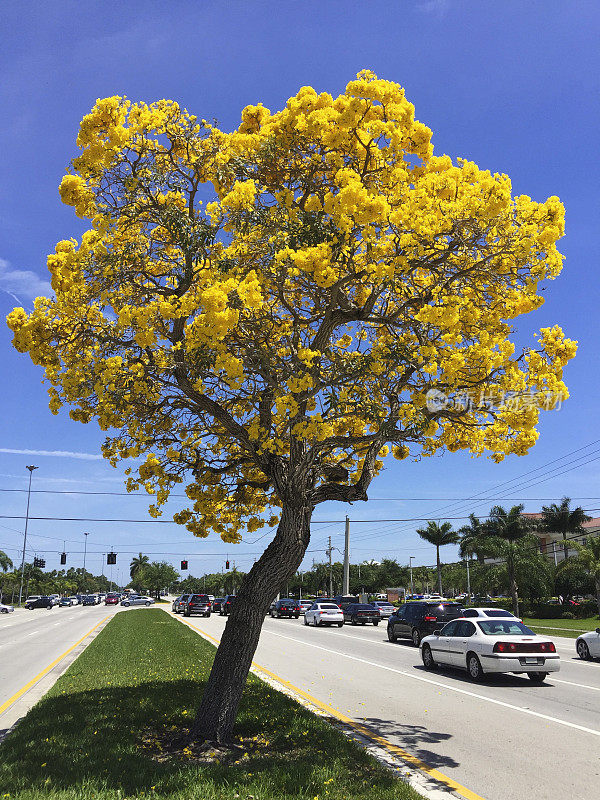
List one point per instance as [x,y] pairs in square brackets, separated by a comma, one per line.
[507,680]
[414,739]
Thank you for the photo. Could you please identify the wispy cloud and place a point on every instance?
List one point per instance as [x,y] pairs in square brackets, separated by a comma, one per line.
[53,453]
[436,7]
[22,283]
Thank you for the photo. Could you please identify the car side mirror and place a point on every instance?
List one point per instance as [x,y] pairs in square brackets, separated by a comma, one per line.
[437,632]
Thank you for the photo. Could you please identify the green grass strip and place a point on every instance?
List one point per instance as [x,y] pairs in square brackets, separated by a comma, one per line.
[571,628]
[145,673]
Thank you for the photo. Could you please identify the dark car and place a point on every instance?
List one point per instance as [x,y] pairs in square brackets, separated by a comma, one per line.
[89,600]
[285,608]
[416,620]
[344,600]
[179,603]
[216,603]
[40,602]
[361,613]
[197,604]
[226,605]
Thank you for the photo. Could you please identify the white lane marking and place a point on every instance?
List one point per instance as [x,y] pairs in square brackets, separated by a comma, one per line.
[581,685]
[455,689]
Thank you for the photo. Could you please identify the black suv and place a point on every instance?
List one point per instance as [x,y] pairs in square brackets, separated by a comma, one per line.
[361,613]
[416,620]
[226,605]
[285,608]
[41,602]
[179,603]
[344,600]
[197,604]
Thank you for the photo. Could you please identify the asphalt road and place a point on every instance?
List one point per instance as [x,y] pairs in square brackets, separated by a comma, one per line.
[504,738]
[32,640]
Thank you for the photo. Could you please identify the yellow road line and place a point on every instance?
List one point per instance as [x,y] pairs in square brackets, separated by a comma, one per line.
[45,671]
[366,732]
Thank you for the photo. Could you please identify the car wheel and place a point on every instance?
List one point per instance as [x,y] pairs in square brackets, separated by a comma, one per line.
[305,621]
[316,622]
[186,614]
[296,616]
[427,657]
[583,651]
[5,610]
[391,635]
[537,677]
[126,604]
[474,667]
[353,621]
[340,624]
[376,624]
[416,637]
[148,604]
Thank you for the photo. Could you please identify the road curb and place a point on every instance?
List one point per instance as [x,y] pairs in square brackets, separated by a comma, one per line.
[426,780]
[33,691]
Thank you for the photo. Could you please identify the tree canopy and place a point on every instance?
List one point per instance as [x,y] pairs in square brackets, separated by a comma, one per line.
[272,305]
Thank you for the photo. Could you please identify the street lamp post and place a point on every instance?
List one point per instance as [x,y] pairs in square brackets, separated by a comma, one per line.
[30,468]
[84,551]
[410,560]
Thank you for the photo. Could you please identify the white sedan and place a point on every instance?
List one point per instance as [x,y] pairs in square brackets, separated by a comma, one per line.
[324,614]
[486,613]
[491,645]
[4,609]
[588,645]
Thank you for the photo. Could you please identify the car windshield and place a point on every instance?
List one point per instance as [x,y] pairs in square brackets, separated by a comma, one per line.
[504,628]
[497,612]
[362,607]
[330,606]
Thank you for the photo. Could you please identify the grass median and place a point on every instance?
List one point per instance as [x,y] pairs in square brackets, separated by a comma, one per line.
[571,628]
[99,733]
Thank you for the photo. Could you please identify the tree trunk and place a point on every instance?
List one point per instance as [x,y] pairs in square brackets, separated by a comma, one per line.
[514,590]
[565,546]
[597,583]
[439,571]
[218,709]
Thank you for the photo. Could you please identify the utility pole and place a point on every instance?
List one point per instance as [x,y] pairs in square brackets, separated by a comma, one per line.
[329,551]
[346,586]
[468,580]
[410,560]
[30,468]
[84,552]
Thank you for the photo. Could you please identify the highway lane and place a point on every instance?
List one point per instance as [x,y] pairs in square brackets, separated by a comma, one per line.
[31,640]
[504,738]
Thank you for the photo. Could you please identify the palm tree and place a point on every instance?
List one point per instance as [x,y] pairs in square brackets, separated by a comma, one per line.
[439,535]
[6,564]
[508,527]
[137,562]
[561,519]
[472,538]
[589,557]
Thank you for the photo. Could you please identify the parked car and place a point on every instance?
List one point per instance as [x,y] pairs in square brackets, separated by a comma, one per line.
[324,614]
[216,603]
[343,600]
[491,645]
[75,600]
[66,602]
[111,600]
[226,605]
[179,603]
[137,600]
[285,608]
[419,619]
[55,599]
[32,598]
[361,613]
[386,609]
[39,602]
[197,604]
[305,605]
[6,609]
[588,645]
[487,613]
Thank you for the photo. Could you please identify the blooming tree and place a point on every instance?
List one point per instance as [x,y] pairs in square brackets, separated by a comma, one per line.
[262,316]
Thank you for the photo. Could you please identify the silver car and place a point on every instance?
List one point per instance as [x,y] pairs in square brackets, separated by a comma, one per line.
[588,645]
[4,609]
[137,600]
[385,609]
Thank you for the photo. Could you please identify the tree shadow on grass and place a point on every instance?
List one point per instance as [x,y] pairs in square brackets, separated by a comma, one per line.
[93,739]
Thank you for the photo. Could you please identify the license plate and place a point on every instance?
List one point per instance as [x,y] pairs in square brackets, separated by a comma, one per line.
[531,660]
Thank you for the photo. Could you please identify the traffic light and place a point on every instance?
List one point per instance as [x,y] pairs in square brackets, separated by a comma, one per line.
[184,565]
[111,558]
[227,564]
[63,558]
[39,562]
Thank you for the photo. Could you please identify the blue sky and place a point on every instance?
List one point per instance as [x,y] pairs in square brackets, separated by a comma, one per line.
[512,86]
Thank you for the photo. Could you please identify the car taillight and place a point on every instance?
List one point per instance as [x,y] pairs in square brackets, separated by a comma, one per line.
[430,619]
[548,647]
[505,647]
